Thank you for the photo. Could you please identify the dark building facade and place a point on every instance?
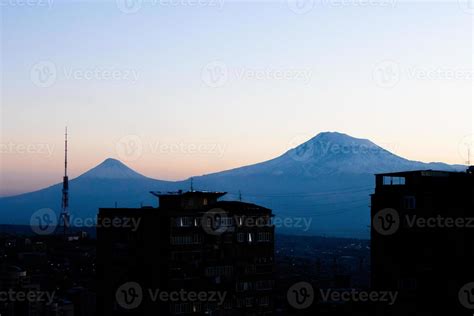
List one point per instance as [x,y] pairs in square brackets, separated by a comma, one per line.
[422,239]
[204,256]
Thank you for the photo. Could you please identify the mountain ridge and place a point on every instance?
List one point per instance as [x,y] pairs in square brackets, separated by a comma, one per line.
[310,180]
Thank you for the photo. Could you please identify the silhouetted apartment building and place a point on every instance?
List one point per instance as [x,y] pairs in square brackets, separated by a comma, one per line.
[422,239]
[191,255]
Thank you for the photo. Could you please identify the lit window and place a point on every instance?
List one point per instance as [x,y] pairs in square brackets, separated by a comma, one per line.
[388,180]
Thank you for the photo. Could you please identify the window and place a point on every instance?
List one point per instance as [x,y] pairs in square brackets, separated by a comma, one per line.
[219,270]
[407,284]
[262,260]
[244,286]
[409,202]
[186,308]
[240,221]
[264,237]
[186,240]
[263,301]
[389,180]
[227,221]
[250,268]
[264,285]
[197,239]
[183,221]
[240,237]
[250,237]
[249,301]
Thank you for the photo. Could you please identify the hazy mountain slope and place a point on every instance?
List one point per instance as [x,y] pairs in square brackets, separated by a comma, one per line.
[109,183]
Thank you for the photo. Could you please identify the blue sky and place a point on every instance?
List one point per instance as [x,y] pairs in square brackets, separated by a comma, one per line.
[249,77]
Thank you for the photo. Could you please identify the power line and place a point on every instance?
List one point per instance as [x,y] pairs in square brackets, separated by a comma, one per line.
[302,194]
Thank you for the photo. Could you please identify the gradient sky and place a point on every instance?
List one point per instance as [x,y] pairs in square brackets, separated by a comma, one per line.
[202,88]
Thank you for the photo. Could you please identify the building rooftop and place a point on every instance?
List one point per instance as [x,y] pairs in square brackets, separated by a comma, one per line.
[428,173]
[216,194]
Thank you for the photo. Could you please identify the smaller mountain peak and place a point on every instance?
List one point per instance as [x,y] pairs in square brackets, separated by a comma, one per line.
[112,162]
[333,136]
[112,168]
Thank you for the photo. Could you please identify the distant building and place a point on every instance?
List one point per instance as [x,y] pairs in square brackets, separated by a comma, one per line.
[191,243]
[422,245]
[16,280]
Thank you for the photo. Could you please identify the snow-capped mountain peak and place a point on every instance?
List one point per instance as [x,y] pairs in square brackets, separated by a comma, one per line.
[112,169]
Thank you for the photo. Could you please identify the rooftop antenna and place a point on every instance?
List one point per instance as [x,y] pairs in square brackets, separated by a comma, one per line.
[65,192]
